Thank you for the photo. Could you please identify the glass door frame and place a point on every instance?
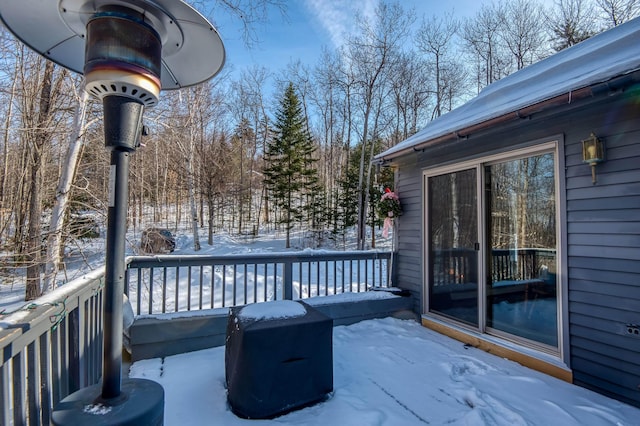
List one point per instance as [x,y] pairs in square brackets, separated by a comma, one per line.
[427,174]
[458,167]
[554,146]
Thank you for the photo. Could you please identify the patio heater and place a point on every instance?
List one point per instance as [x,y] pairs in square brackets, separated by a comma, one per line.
[128,50]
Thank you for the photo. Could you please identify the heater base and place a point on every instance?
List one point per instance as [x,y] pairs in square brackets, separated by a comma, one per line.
[141,403]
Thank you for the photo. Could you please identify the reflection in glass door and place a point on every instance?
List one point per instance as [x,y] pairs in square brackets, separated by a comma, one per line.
[453,236]
[521,285]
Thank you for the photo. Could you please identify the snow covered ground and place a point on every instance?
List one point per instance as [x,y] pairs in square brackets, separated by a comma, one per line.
[394,372]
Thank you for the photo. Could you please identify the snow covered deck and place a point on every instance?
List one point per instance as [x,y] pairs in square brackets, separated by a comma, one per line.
[394,372]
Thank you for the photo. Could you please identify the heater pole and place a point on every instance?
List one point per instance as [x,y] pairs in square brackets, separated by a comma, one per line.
[114,274]
[123,127]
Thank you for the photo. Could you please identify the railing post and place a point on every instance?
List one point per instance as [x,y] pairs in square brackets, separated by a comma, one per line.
[393,258]
[5,392]
[74,350]
[287,279]
[126,279]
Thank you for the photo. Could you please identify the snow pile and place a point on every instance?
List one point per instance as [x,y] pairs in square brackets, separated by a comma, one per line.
[394,372]
[350,297]
[273,310]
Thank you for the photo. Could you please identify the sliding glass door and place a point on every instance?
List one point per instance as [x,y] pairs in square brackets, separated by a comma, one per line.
[492,258]
[521,237]
[453,245]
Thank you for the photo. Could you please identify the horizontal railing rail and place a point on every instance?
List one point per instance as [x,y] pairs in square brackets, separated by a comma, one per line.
[460,265]
[53,347]
[520,264]
[161,284]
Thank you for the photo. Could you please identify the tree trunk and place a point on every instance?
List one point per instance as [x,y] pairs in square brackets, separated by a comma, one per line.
[5,154]
[362,209]
[34,245]
[211,209]
[33,288]
[54,240]
[192,202]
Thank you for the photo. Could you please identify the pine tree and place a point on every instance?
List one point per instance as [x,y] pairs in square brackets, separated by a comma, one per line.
[290,174]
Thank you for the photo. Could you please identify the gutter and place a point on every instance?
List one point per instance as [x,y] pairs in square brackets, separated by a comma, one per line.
[610,87]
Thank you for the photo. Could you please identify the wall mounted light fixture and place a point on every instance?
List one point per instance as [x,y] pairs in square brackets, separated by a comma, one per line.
[592,153]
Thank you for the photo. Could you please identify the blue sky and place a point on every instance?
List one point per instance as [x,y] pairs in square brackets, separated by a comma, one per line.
[310,25]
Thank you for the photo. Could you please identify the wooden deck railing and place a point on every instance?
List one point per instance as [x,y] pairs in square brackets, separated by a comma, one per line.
[53,347]
[50,349]
[161,284]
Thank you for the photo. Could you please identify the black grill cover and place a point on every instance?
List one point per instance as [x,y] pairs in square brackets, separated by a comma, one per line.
[273,366]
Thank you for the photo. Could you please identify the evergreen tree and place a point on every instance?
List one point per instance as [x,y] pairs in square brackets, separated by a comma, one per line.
[290,174]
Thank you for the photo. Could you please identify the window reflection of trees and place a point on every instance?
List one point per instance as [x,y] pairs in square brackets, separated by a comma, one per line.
[522,203]
[453,225]
[453,210]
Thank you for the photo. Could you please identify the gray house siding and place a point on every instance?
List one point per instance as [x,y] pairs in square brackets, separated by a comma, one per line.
[409,260]
[602,230]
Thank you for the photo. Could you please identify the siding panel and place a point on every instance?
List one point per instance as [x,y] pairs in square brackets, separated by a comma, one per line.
[606,228]
[612,191]
[618,317]
[618,384]
[631,202]
[592,280]
[632,253]
[409,270]
[619,265]
[613,302]
[587,332]
[624,240]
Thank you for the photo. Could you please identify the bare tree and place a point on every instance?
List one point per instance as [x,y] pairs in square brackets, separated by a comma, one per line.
[214,176]
[325,100]
[482,38]
[4,177]
[185,127]
[616,12]
[411,89]
[247,106]
[570,22]
[435,38]
[250,13]
[523,31]
[39,134]
[370,54]
[63,191]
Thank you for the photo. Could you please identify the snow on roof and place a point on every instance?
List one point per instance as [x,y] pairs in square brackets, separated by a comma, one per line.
[596,60]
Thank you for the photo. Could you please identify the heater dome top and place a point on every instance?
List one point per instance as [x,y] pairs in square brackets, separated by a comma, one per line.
[192,50]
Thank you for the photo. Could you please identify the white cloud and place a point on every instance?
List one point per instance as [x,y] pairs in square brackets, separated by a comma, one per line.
[337,17]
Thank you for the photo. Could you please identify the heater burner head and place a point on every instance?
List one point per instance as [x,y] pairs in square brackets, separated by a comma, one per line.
[191,49]
[122,57]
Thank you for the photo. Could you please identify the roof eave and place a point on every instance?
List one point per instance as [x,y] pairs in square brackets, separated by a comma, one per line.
[615,84]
